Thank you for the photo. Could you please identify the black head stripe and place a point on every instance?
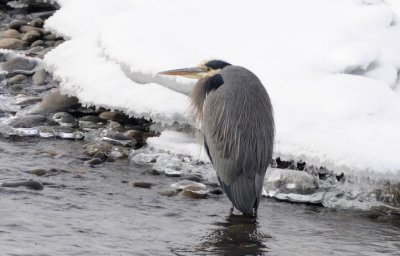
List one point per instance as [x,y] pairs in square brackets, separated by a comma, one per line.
[213,83]
[216,64]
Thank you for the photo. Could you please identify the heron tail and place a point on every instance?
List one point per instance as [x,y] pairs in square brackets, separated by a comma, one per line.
[242,193]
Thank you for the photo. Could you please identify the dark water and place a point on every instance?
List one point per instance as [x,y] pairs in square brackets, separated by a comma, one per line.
[97,211]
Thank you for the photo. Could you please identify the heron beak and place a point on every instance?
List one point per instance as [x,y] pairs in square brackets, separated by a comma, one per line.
[193,72]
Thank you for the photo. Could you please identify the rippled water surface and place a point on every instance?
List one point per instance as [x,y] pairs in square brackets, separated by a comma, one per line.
[96,211]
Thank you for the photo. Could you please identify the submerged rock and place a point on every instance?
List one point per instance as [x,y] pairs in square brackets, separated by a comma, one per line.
[38,172]
[64,119]
[31,184]
[180,185]
[290,181]
[27,121]
[142,184]
[92,148]
[171,166]
[195,192]
[17,64]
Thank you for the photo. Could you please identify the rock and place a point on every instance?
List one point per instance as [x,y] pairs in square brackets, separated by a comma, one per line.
[17,79]
[38,23]
[16,24]
[25,100]
[93,119]
[27,121]
[195,178]
[168,193]
[64,119]
[58,42]
[94,161]
[31,184]
[38,172]
[11,44]
[142,184]
[37,43]
[31,36]
[216,191]
[194,192]
[39,77]
[290,181]
[118,152]
[42,53]
[143,158]
[118,139]
[134,134]
[92,148]
[55,101]
[281,164]
[171,166]
[50,43]
[46,132]
[51,37]
[18,63]
[26,29]
[185,183]
[11,33]
[65,132]
[34,51]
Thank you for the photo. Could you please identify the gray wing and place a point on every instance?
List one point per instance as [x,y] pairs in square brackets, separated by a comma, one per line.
[239,132]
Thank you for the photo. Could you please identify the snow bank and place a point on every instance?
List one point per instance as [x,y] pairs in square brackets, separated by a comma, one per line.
[330,66]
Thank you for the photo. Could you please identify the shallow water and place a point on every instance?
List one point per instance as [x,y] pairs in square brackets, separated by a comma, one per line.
[97,211]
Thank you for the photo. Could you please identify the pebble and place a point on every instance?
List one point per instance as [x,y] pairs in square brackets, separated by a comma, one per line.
[27,121]
[37,43]
[38,172]
[18,63]
[195,192]
[142,184]
[24,100]
[180,185]
[168,193]
[94,161]
[16,24]
[26,29]
[11,44]
[31,36]
[31,184]
[11,33]
[64,119]
[55,101]
[39,77]
[46,132]
[92,148]
[38,23]
[17,79]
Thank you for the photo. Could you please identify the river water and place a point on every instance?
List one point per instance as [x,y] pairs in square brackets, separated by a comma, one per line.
[85,210]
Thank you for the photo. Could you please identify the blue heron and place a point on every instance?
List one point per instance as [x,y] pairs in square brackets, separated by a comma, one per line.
[236,118]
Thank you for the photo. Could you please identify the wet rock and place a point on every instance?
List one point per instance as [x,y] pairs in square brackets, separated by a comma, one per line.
[26,29]
[27,121]
[55,102]
[38,172]
[118,139]
[46,132]
[50,43]
[43,52]
[194,192]
[31,184]
[144,158]
[11,44]
[290,181]
[114,116]
[180,185]
[340,176]
[118,152]
[34,51]
[38,23]
[64,119]
[11,33]
[143,184]
[92,148]
[57,43]
[168,193]
[195,178]
[17,64]
[216,191]
[37,43]
[17,79]
[24,100]
[171,166]
[39,77]
[301,165]
[16,24]
[65,132]
[51,37]
[94,161]
[134,134]
[31,36]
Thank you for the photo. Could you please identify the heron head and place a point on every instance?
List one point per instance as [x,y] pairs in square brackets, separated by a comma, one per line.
[203,70]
